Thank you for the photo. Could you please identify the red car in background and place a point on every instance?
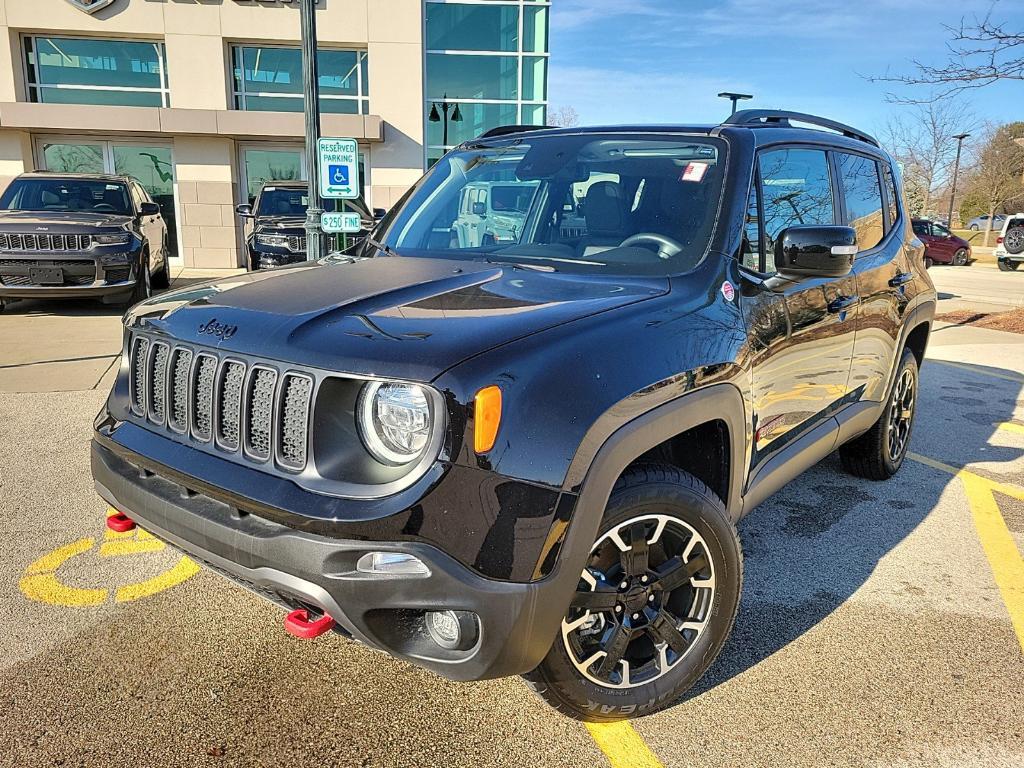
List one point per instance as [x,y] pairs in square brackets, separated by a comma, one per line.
[941,245]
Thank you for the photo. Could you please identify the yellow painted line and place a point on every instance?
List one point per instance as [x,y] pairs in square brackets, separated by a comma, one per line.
[1008,375]
[40,581]
[622,745]
[183,570]
[996,540]
[1009,426]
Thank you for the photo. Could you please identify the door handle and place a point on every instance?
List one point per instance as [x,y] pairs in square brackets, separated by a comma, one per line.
[840,303]
[901,279]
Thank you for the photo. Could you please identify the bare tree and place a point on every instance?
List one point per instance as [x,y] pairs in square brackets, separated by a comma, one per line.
[994,178]
[921,139]
[564,117]
[979,53]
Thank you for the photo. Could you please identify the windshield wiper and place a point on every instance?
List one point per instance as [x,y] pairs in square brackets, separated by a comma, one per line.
[386,249]
[521,265]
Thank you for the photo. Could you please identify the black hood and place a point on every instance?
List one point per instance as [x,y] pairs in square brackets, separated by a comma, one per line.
[289,225]
[60,222]
[408,318]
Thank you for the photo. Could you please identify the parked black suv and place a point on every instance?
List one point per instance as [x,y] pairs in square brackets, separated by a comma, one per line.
[278,235]
[530,457]
[74,235]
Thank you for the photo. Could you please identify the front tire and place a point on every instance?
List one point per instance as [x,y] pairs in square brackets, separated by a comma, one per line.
[143,283]
[960,258]
[879,453]
[654,605]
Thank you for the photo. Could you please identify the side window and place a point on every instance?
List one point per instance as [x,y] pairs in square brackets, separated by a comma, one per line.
[751,255]
[795,189]
[921,228]
[137,195]
[862,190]
[894,195]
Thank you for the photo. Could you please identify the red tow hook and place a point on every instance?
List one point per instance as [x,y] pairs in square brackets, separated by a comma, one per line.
[120,522]
[299,624]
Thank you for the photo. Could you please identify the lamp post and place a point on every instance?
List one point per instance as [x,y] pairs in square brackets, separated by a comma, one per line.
[956,172]
[315,240]
[734,97]
[435,117]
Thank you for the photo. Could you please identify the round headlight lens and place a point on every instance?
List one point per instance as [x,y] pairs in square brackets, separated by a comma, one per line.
[394,421]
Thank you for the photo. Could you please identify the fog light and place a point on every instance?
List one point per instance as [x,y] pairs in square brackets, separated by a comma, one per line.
[453,630]
[391,564]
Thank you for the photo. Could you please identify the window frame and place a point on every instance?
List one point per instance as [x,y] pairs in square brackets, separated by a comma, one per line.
[240,94]
[30,45]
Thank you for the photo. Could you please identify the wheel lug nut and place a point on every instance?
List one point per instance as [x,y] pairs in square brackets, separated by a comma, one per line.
[650,598]
[643,579]
[623,585]
[618,609]
[636,615]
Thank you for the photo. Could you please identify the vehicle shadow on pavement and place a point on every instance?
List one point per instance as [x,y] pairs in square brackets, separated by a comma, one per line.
[809,548]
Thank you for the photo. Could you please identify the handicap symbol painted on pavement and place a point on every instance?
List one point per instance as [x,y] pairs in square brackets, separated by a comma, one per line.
[44,583]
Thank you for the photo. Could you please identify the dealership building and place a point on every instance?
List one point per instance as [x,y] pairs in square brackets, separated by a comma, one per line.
[201,100]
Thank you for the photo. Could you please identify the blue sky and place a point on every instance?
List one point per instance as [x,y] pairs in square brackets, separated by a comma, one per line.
[660,61]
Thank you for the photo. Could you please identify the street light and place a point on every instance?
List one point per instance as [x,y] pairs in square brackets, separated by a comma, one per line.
[734,97]
[956,172]
[435,117]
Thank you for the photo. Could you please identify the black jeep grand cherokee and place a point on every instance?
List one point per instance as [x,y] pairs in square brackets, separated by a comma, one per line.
[75,235]
[529,458]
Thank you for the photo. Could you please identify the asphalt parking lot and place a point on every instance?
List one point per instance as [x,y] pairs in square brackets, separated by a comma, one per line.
[881,624]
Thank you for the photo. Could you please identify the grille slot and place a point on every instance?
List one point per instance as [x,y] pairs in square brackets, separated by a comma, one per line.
[202,397]
[139,357]
[259,410]
[158,383]
[294,420]
[297,243]
[249,409]
[229,404]
[181,366]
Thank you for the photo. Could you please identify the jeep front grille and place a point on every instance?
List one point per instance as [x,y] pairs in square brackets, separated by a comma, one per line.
[13,241]
[297,243]
[248,409]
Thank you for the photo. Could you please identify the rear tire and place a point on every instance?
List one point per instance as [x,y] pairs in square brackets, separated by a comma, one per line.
[879,453]
[1008,266]
[669,624]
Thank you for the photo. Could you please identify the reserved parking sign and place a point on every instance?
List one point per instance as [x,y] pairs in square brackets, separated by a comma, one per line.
[339,168]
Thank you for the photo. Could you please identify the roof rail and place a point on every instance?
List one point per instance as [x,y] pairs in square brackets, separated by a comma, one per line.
[776,117]
[504,130]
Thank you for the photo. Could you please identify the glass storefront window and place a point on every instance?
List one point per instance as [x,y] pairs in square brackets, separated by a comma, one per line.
[73,158]
[472,77]
[476,118]
[262,165]
[535,78]
[71,70]
[454,27]
[535,29]
[535,114]
[270,79]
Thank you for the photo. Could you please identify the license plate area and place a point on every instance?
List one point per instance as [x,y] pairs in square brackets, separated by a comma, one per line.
[46,275]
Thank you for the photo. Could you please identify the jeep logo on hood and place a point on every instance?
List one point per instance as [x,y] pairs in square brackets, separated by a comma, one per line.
[220,330]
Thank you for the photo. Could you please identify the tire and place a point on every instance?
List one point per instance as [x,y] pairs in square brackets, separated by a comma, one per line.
[1013,240]
[974,228]
[874,455]
[1008,266]
[162,278]
[697,533]
[143,284]
[960,258]
[928,263]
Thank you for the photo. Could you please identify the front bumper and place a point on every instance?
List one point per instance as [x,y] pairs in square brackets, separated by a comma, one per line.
[293,568]
[83,276]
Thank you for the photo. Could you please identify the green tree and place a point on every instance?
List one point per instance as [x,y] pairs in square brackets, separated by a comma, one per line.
[996,176]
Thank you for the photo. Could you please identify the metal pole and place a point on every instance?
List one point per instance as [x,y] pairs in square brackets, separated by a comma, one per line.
[315,240]
[956,172]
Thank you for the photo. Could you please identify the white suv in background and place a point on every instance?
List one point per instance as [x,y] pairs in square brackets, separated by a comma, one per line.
[1010,244]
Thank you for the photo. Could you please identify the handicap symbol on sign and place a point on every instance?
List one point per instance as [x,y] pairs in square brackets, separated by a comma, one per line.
[338,174]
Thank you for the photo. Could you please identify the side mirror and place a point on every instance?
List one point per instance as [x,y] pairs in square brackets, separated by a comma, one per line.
[379,213]
[479,209]
[244,210]
[813,250]
[149,209]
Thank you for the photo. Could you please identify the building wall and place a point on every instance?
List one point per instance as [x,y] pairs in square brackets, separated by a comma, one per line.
[201,126]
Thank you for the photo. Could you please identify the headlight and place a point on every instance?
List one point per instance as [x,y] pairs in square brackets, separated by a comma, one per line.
[394,421]
[275,241]
[121,238]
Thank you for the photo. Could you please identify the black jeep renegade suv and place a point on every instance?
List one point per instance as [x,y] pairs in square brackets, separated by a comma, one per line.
[529,458]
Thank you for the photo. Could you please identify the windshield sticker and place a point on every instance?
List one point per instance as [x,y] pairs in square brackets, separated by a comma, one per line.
[694,172]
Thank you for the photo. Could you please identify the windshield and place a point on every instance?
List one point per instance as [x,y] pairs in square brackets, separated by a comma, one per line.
[78,195]
[642,204]
[292,201]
